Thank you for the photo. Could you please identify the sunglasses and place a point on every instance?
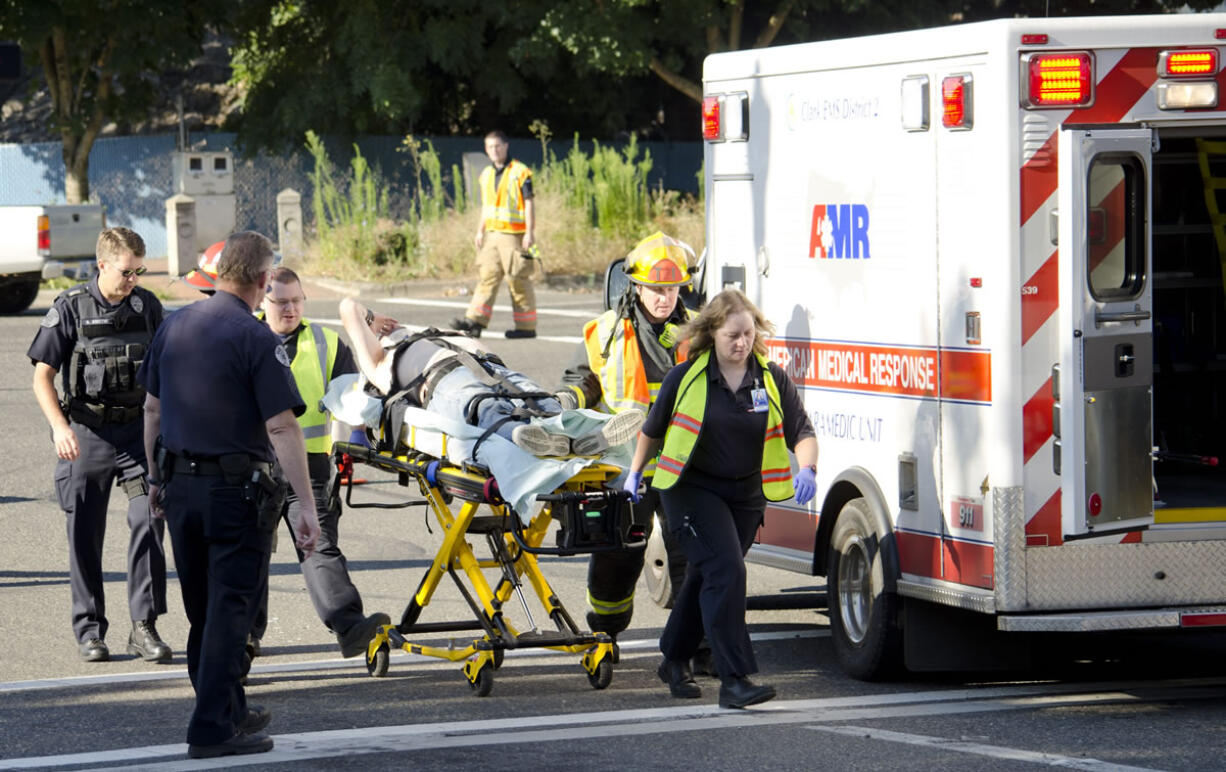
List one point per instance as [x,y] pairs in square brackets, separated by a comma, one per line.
[128,273]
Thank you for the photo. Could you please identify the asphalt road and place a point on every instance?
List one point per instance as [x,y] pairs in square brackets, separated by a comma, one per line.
[1156,705]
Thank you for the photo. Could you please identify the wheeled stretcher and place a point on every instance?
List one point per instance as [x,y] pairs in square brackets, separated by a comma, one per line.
[466,501]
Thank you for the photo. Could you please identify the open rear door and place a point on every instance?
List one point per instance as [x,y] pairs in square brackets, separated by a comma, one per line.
[1104,385]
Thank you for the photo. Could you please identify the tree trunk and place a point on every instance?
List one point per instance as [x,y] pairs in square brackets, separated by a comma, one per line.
[76,182]
[676,80]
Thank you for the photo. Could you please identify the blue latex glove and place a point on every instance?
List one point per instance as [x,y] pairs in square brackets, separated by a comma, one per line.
[805,484]
[631,486]
[358,437]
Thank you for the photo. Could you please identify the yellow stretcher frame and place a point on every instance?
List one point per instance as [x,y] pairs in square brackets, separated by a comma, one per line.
[442,483]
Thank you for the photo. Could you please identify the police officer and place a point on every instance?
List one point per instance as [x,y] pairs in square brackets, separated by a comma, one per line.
[97,334]
[317,355]
[727,417]
[625,354]
[213,417]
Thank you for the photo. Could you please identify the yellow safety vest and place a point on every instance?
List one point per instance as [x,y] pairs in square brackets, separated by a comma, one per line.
[686,426]
[503,209]
[312,367]
[623,378]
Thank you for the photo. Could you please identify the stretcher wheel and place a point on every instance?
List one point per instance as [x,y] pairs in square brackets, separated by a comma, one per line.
[498,655]
[603,675]
[377,665]
[484,682]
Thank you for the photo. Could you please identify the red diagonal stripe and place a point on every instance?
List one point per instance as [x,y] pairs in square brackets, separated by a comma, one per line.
[1044,528]
[1038,178]
[1036,421]
[1040,296]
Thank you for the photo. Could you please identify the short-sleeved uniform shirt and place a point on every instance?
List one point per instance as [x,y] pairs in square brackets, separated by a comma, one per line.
[733,435]
[57,333]
[220,373]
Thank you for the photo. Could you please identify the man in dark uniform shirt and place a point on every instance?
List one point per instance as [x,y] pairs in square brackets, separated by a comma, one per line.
[96,335]
[317,355]
[221,399]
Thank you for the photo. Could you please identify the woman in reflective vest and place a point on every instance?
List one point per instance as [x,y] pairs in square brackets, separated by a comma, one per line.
[726,419]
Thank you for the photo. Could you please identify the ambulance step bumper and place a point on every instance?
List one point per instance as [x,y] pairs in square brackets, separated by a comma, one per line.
[1099,621]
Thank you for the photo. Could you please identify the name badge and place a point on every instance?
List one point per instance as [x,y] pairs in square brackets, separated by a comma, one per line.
[759,400]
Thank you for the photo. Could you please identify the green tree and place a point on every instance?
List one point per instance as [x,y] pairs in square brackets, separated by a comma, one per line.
[100,60]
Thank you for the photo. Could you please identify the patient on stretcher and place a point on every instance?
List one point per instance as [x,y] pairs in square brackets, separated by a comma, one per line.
[454,376]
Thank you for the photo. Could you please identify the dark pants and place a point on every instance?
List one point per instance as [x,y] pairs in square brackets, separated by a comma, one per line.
[83,488]
[714,521]
[326,572]
[612,576]
[222,558]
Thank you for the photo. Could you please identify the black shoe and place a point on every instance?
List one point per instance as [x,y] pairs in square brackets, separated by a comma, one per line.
[703,663]
[521,334]
[145,642]
[253,646]
[741,693]
[680,680]
[257,718]
[355,640]
[468,326]
[94,650]
[238,745]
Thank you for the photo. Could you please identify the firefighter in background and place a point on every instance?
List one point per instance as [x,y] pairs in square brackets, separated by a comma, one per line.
[625,354]
[505,238]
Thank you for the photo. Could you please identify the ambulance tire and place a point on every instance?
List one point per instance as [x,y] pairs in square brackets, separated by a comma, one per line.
[657,567]
[863,615]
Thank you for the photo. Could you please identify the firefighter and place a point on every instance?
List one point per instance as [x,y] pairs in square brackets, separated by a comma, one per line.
[96,334]
[625,354]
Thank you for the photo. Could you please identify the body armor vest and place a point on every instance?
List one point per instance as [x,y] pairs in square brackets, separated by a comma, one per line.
[100,382]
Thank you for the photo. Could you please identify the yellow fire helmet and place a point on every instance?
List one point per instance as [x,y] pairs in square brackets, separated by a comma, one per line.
[660,261]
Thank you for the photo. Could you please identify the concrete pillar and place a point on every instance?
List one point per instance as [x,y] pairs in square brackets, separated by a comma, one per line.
[289,223]
[180,234]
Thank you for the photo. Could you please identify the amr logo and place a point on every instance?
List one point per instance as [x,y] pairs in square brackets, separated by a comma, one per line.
[839,231]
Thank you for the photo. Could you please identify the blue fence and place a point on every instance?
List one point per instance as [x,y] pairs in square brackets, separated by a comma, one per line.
[132,176]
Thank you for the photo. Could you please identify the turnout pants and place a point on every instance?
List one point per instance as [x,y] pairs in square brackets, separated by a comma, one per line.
[326,571]
[501,255]
[612,576]
[714,521]
[83,487]
[222,560]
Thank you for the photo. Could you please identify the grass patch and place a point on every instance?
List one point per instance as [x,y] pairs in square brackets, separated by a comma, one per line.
[591,208]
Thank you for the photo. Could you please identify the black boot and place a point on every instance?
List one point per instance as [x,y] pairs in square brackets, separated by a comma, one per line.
[145,642]
[740,692]
[679,679]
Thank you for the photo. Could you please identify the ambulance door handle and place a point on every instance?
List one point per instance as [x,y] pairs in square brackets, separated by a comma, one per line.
[1120,316]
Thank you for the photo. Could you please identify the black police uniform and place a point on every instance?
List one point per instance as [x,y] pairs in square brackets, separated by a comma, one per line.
[219,374]
[325,571]
[715,508]
[612,576]
[97,348]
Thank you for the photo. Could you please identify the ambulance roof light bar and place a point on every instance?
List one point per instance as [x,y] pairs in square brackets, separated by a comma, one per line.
[1064,79]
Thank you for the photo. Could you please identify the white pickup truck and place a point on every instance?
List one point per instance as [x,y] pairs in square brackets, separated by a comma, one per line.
[38,242]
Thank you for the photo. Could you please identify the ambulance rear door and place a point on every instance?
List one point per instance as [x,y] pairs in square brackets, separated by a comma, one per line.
[1103,385]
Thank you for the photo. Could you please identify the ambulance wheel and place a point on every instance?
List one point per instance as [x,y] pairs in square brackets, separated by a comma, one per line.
[656,567]
[485,681]
[17,295]
[603,675]
[377,665]
[863,615]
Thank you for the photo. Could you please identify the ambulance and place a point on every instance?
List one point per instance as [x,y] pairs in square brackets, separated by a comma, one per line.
[994,257]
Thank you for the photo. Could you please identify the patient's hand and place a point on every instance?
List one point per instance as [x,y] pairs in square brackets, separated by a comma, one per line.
[381,324]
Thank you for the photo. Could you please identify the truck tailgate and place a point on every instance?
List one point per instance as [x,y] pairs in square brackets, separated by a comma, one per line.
[74,230]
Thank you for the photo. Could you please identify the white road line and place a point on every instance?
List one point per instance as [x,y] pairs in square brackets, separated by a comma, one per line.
[604,724]
[979,749]
[630,647]
[577,314]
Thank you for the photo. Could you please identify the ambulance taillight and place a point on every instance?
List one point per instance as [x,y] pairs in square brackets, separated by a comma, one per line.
[956,101]
[710,118]
[1058,80]
[1198,63]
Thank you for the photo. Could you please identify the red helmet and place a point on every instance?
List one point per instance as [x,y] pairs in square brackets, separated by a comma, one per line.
[204,278]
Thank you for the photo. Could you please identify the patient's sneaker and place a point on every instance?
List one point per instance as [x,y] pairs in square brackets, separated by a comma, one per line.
[622,427]
[539,442]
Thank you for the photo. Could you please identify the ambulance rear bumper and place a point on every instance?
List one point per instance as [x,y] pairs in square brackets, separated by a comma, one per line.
[1129,619]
